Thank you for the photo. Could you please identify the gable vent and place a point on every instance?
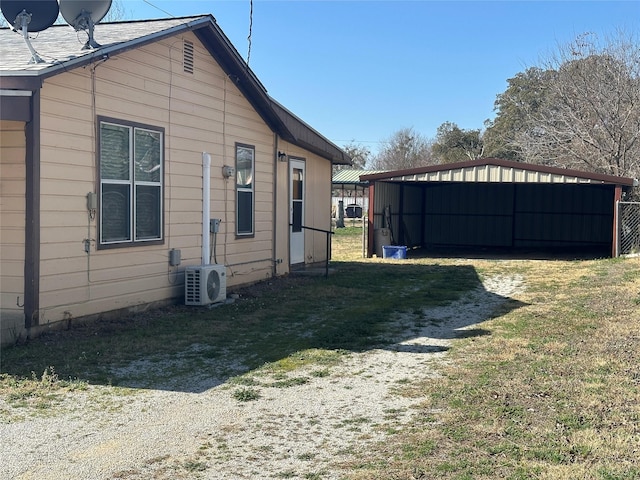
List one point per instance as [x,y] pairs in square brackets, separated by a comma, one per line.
[187,56]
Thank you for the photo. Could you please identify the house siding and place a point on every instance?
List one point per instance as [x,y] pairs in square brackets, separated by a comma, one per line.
[12,226]
[199,112]
[317,201]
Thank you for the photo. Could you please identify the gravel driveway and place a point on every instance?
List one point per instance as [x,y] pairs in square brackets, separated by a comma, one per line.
[307,431]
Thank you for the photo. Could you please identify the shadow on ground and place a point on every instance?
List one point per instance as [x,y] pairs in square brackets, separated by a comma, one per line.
[408,307]
[520,253]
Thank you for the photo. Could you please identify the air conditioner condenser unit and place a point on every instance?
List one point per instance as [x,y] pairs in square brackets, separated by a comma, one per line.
[205,284]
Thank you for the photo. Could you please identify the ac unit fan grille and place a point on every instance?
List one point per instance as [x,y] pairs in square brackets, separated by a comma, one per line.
[192,290]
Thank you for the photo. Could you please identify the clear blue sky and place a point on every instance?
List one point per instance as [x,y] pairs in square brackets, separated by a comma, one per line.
[361,70]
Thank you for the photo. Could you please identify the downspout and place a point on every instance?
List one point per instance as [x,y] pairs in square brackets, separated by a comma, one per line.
[206,206]
[32,216]
[274,272]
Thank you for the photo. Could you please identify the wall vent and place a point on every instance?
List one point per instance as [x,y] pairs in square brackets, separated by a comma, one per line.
[187,56]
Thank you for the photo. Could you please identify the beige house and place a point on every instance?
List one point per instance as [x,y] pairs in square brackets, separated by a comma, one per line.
[113,161]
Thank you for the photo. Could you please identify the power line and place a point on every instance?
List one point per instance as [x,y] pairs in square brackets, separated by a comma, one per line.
[351,140]
[250,29]
[158,8]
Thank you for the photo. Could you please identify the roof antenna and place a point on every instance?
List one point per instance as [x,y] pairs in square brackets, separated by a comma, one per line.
[83,15]
[30,16]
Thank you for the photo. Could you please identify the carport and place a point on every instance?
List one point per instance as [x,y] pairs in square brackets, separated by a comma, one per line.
[494,204]
[348,189]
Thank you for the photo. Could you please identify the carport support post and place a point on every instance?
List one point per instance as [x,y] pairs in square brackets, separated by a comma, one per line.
[340,219]
[370,216]
[617,197]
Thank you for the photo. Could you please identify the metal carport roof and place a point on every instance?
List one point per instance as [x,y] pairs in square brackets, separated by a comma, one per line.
[496,170]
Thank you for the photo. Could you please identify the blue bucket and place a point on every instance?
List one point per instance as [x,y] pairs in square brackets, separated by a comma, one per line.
[394,251]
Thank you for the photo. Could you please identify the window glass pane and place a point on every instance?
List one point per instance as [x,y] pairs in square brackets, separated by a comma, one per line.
[297,217]
[115,217]
[245,212]
[244,167]
[147,156]
[297,184]
[114,152]
[148,210]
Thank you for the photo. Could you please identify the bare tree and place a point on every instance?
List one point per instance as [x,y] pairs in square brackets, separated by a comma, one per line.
[404,149]
[116,12]
[359,154]
[590,115]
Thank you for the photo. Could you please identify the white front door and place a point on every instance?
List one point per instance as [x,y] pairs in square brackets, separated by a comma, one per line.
[296,211]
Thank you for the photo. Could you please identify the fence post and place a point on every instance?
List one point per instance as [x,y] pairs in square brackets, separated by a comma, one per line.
[618,230]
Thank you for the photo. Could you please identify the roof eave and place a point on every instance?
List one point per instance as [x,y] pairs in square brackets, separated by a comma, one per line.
[305,136]
[289,127]
[20,82]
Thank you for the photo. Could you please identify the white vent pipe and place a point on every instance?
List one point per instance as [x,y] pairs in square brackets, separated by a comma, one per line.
[206,205]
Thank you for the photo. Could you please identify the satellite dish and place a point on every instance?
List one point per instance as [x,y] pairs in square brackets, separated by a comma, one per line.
[30,16]
[40,14]
[83,15]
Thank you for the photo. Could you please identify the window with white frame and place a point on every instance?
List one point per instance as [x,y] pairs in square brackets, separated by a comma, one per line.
[131,164]
[245,184]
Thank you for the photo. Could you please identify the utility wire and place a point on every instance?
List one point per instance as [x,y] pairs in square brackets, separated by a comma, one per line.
[158,8]
[250,29]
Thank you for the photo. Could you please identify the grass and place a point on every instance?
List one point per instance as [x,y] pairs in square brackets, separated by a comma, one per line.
[553,392]
[547,387]
[246,394]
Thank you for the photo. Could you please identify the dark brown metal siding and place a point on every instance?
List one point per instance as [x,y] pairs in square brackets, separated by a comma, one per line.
[411,224]
[517,215]
[469,214]
[498,215]
[563,215]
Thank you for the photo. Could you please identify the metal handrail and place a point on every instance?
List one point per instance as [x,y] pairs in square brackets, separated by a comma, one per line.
[328,233]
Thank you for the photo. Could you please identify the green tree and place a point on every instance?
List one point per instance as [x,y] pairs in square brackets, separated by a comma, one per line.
[454,144]
[404,149]
[523,98]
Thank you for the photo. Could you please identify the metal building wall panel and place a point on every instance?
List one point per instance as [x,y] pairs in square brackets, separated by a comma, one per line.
[412,218]
[387,194]
[468,214]
[552,215]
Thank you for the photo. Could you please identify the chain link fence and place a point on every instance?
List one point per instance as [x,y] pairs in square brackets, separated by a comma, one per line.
[628,228]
